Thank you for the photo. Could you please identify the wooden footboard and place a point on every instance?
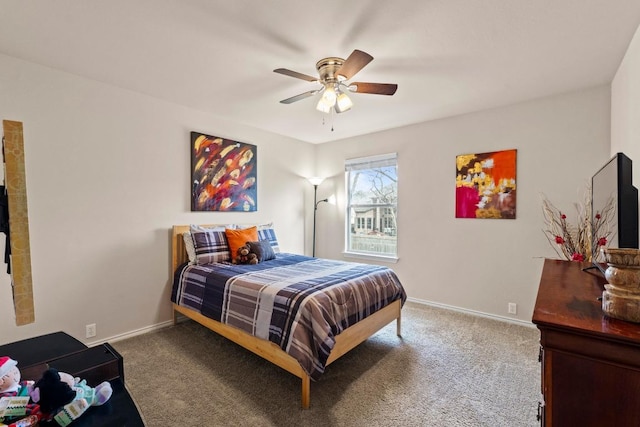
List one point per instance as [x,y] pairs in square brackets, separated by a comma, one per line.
[347,340]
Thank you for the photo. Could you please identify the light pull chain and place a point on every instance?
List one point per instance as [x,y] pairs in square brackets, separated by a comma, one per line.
[330,119]
[331,113]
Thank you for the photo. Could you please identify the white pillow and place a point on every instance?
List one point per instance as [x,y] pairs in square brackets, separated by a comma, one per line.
[260,226]
[189,247]
[218,227]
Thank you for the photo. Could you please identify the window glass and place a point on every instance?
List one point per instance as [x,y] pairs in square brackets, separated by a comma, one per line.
[372,205]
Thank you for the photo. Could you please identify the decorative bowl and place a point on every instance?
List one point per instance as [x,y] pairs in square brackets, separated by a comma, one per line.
[623,257]
[623,269]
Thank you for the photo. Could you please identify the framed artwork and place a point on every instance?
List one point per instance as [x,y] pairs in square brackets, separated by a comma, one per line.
[486,185]
[223,174]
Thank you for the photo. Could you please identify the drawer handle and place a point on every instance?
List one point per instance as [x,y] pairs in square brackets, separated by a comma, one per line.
[540,406]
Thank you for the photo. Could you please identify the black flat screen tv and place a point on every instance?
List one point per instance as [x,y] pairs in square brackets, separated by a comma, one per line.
[615,179]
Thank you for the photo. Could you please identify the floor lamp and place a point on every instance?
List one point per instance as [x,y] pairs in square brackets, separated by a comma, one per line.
[315,181]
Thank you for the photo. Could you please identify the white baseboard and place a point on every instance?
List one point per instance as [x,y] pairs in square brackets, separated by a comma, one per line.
[181,318]
[132,334]
[471,312]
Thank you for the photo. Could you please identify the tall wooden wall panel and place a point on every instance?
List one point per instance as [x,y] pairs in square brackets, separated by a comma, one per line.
[16,185]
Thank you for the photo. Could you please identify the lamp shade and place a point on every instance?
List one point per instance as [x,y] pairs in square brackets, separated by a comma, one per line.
[329,96]
[343,103]
[323,106]
[315,180]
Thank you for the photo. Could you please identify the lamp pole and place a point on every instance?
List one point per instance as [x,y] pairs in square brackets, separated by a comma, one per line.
[315,181]
[314,217]
[315,209]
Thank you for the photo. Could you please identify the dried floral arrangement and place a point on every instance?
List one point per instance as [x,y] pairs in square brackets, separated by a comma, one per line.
[580,241]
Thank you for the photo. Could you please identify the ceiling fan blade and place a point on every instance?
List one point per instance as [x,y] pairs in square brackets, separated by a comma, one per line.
[295,74]
[374,88]
[354,63]
[299,97]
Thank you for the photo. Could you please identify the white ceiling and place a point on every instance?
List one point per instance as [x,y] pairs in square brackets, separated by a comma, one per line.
[448,57]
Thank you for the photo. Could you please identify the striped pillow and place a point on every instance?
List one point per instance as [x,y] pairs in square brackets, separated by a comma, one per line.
[270,235]
[211,246]
[188,240]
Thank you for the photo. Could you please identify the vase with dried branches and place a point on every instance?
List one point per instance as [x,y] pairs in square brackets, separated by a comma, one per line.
[582,240]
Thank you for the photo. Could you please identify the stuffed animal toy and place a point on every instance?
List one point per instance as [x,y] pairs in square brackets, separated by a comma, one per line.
[245,256]
[64,398]
[14,392]
[10,384]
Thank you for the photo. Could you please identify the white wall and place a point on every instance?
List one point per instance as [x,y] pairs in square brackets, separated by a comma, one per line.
[476,264]
[108,174]
[625,107]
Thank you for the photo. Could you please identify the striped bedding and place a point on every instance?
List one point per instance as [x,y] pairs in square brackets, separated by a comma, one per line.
[297,302]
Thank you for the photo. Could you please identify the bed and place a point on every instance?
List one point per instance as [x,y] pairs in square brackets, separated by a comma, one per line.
[302,338]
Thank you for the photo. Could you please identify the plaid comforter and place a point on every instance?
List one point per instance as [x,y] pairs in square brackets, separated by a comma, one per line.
[297,302]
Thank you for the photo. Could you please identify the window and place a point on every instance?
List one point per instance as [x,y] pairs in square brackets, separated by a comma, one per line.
[372,205]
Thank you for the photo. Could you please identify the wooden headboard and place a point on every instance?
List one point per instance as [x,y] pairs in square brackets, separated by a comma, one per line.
[178,252]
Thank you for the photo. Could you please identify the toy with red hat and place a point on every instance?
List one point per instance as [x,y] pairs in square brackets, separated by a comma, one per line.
[7,366]
[14,393]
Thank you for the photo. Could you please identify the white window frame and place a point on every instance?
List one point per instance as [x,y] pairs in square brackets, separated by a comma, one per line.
[362,163]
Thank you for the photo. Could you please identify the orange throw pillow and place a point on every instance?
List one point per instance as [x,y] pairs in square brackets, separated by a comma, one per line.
[238,238]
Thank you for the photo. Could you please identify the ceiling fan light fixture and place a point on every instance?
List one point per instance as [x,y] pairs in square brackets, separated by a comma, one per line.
[334,75]
[343,103]
[324,106]
[329,95]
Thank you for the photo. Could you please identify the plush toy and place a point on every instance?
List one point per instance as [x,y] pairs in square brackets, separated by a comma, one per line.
[64,398]
[245,256]
[11,390]
[10,384]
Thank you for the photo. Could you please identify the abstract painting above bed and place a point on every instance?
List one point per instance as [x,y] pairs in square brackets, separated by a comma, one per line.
[223,174]
[299,303]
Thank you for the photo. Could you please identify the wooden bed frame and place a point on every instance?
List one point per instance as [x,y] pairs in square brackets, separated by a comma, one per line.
[345,341]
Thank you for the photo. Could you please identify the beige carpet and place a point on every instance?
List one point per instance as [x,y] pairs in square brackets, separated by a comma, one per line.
[448,369]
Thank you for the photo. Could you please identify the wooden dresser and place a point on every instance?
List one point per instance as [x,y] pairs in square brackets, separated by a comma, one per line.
[590,362]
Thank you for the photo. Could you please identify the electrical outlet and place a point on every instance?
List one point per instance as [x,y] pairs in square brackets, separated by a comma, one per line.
[91,330]
[513,308]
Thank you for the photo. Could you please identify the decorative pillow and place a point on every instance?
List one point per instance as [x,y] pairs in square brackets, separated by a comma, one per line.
[211,246]
[262,249]
[199,228]
[189,247]
[188,240]
[269,234]
[238,238]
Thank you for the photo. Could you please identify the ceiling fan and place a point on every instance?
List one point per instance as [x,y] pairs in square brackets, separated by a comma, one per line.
[333,75]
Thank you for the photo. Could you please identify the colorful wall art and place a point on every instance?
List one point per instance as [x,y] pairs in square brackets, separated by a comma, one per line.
[486,185]
[223,174]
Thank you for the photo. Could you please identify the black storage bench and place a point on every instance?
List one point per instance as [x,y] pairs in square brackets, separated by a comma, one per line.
[95,364]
